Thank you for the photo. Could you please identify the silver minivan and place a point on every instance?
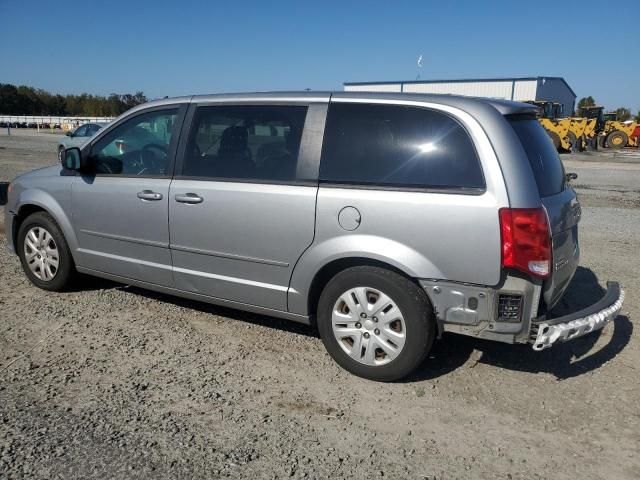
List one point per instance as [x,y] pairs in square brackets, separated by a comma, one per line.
[384,219]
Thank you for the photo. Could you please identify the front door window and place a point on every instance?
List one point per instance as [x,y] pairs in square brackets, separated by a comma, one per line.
[138,147]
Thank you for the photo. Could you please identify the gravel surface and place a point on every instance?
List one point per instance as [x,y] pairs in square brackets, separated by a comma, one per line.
[111,381]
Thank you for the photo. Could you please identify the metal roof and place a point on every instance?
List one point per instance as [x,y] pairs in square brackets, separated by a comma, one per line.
[464,80]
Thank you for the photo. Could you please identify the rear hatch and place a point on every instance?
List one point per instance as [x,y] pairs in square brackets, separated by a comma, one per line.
[560,202]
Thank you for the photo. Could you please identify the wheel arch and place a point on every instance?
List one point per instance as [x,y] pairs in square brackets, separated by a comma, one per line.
[320,263]
[30,202]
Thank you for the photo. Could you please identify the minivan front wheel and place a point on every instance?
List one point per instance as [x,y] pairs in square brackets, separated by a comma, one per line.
[375,323]
[44,253]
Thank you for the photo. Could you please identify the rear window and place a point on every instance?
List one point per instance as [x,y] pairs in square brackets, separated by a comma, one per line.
[543,157]
[399,146]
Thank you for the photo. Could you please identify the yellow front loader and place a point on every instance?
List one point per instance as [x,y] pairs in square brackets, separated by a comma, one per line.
[605,130]
[617,134]
[557,128]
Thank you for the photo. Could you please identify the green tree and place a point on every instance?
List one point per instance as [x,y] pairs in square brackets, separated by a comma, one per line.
[637,117]
[623,114]
[25,100]
[586,102]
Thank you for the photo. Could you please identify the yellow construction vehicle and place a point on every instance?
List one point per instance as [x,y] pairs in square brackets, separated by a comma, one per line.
[617,134]
[605,130]
[551,118]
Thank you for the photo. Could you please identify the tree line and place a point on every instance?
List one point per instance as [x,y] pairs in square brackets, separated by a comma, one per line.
[24,100]
[623,114]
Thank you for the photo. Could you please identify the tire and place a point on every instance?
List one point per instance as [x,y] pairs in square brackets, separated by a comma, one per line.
[617,139]
[60,277]
[601,141]
[61,151]
[410,323]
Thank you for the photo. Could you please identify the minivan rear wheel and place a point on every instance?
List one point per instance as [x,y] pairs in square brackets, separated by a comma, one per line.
[375,323]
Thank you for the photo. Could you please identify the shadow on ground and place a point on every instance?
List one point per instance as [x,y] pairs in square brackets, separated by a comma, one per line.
[564,360]
[254,318]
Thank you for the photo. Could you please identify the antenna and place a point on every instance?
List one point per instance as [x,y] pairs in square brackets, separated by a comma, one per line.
[419,66]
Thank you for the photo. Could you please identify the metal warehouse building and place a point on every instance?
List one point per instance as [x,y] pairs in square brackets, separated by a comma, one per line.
[554,89]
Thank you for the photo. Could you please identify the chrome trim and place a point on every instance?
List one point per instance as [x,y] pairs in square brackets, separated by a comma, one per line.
[123,238]
[230,256]
[225,278]
[125,259]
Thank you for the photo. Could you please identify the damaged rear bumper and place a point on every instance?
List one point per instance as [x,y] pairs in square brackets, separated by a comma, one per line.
[546,332]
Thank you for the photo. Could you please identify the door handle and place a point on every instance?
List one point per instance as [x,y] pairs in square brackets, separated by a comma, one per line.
[149,195]
[189,198]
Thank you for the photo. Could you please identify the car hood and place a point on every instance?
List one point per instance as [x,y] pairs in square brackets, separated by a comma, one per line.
[51,171]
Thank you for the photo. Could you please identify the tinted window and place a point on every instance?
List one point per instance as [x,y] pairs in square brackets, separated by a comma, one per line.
[397,145]
[80,131]
[543,157]
[92,129]
[245,142]
[139,146]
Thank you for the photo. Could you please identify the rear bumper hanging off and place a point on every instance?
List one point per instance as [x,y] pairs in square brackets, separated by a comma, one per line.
[546,332]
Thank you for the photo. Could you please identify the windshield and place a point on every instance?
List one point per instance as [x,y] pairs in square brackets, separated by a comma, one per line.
[543,157]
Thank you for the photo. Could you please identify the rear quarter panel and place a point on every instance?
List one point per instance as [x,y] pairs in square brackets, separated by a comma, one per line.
[451,236]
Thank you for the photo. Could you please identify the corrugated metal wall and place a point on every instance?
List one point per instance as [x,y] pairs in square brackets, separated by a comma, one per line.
[507,89]
[381,87]
[555,90]
[524,90]
[472,89]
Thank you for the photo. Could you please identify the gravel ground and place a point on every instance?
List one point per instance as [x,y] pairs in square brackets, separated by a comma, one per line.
[111,381]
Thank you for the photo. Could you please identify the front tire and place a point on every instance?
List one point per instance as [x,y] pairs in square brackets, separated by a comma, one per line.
[375,323]
[44,253]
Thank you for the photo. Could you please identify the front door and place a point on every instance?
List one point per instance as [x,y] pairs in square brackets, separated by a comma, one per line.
[240,211]
[120,210]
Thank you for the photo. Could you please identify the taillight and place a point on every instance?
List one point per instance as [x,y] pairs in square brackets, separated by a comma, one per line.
[526,240]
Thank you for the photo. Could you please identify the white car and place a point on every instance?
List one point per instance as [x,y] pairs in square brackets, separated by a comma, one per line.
[78,137]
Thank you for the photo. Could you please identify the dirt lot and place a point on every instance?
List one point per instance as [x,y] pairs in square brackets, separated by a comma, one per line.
[111,381]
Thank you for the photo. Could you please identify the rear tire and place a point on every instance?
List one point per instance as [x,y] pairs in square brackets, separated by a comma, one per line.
[382,341]
[45,255]
[617,139]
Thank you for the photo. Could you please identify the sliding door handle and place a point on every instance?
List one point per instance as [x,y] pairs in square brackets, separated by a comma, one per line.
[189,198]
[149,195]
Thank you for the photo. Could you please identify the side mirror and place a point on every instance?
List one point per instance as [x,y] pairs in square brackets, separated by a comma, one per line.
[571,176]
[72,159]
[69,133]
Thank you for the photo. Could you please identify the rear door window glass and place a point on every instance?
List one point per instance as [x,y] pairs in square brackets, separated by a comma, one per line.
[391,145]
[543,156]
[245,142]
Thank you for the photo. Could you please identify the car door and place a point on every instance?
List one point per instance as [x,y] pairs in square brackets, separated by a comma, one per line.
[242,203]
[120,207]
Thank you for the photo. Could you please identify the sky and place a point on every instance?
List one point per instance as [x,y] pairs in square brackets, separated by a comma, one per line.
[184,47]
